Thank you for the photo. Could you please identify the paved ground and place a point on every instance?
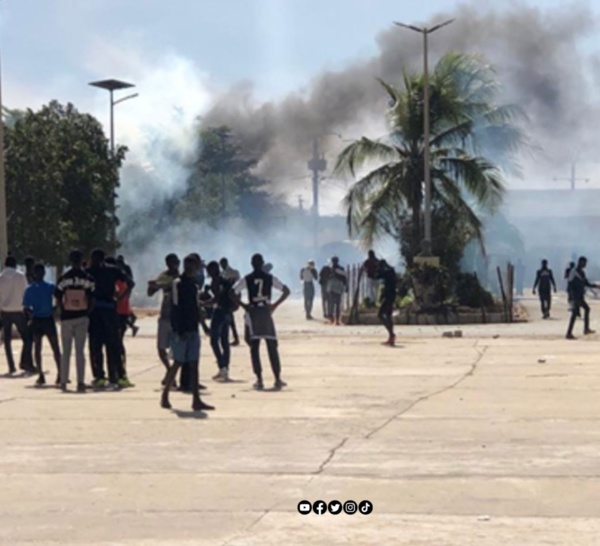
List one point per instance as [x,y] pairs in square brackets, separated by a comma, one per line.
[479,441]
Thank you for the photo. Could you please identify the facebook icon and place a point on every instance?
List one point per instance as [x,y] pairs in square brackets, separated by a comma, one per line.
[319,507]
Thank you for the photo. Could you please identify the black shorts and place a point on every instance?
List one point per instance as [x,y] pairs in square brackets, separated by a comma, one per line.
[43,327]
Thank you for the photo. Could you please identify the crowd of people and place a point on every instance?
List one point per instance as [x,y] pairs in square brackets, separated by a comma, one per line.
[333,280]
[92,301]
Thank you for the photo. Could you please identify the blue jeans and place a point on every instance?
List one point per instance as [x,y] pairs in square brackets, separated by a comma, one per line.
[219,337]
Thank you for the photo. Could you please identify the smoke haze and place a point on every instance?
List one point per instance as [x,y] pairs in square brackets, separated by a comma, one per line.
[542,65]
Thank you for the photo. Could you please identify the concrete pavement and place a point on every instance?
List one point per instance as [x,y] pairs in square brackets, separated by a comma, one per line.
[488,439]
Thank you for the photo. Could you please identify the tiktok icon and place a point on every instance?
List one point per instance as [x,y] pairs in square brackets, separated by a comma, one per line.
[365,507]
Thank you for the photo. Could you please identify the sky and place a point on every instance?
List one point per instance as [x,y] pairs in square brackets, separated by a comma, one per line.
[182,53]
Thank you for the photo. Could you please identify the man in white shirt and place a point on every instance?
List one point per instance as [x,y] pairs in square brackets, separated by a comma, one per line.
[233,276]
[12,289]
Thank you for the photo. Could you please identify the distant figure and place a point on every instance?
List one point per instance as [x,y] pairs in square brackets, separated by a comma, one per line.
[324,276]
[164,282]
[29,265]
[570,268]
[519,277]
[131,318]
[544,281]
[186,337]
[12,289]
[74,293]
[233,276]
[38,303]
[104,325]
[388,275]
[338,284]
[371,268]
[308,276]
[223,303]
[578,282]
[259,317]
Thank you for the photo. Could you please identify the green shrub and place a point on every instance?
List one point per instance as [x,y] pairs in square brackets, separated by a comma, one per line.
[470,293]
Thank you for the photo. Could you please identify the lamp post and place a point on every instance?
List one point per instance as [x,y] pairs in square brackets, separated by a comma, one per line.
[426,245]
[111,86]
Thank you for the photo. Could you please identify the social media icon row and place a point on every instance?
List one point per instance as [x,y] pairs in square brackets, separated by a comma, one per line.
[334,507]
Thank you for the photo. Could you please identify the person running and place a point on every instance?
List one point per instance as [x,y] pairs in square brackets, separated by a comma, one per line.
[570,267]
[387,274]
[104,326]
[164,282]
[308,276]
[336,287]
[578,283]
[259,319]
[324,276]
[75,296]
[544,281]
[12,289]
[221,319]
[371,269]
[232,275]
[38,303]
[186,336]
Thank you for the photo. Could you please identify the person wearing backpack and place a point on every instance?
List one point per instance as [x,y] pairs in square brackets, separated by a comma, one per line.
[75,295]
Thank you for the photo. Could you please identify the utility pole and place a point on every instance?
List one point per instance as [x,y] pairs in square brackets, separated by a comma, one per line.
[317,164]
[573,178]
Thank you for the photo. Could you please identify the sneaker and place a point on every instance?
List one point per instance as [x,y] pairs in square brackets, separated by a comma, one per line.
[219,376]
[113,386]
[202,407]
[589,332]
[235,343]
[279,384]
[135,330]
[63,387]
[570,336]
[125,383]
[259,385]
[99,383]
[41,380]
[81,387]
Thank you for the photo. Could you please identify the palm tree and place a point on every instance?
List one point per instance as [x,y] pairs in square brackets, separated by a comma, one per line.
[466,124]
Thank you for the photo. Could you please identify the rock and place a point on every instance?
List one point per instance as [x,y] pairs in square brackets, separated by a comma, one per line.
[458,333]
[541,360]
[448,334]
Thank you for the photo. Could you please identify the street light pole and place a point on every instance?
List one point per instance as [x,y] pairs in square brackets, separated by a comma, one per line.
[111,86]
[426,244]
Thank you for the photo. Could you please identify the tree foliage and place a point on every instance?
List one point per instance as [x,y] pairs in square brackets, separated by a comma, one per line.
[60,179]
[468,130]
[221,184]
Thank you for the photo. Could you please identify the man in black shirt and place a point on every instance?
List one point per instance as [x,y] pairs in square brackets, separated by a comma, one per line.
[578,282]
[220,322]
[185,317]
[104,323]
[324,276]
[74,293]
[386,311]
[259,320]
[544,281]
